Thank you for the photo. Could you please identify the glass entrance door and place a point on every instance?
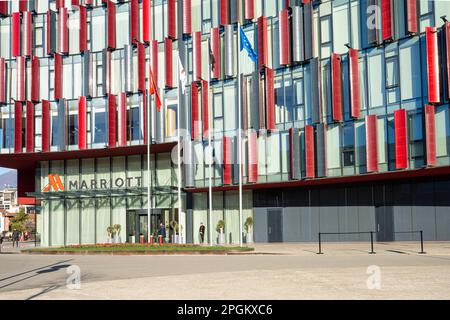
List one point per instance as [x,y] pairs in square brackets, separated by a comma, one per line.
[143,227]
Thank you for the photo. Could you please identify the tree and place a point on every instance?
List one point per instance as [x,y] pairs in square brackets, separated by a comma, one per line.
[19,222]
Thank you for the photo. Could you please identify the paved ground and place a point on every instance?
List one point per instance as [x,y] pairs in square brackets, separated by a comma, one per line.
[345,271]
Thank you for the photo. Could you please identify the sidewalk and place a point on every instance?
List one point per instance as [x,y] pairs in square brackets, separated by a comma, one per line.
[7,247]
[352,248]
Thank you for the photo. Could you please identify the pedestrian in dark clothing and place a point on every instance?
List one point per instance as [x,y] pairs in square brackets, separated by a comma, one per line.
[15,237]
[162,231]
[201,231]
[1,241]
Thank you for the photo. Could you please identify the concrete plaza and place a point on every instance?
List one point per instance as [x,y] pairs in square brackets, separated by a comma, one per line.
[274,271]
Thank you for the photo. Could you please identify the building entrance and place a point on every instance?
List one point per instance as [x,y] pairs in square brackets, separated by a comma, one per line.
[137,224]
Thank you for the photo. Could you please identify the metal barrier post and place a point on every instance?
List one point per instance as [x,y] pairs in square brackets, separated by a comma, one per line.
[320,245]
[371,243]
[421,243]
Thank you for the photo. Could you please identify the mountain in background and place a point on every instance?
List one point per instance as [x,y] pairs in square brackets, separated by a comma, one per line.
[8,179]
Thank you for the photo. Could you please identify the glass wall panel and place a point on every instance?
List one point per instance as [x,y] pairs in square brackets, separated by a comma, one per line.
[73,222]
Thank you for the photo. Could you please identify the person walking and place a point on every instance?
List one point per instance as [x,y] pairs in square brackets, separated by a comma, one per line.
[15,238]
[201,232]
[162,231]
[1,241]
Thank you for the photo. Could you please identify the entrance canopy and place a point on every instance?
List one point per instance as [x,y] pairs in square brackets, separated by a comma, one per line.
[74,194]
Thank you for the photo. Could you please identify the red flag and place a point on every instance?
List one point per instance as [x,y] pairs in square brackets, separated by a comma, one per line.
[154,90]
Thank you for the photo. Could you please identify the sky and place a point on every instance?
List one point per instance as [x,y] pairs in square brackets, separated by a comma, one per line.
[3,170]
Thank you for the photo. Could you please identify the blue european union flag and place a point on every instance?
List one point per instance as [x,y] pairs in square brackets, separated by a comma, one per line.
[245,44]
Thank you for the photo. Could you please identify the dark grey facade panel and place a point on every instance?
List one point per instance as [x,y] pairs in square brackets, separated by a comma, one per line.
[298,54]
[105,65]
[254,103]
[52,28]
[234,11]
[296,155]
[321,163]
[372,33]
[62,123]
[308,31]
[87,74]
[229,51]
[128,62]
[188,157]
[316,101]
[260,225]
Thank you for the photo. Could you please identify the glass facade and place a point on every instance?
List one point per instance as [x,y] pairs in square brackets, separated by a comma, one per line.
[390,74]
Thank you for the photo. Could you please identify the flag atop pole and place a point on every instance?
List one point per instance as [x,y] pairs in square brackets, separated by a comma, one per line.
[245,44]
[154,90]
[182,75]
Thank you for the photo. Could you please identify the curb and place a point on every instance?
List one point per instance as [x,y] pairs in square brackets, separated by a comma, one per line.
[128,253]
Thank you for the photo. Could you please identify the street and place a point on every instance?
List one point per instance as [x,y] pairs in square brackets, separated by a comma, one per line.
[282,271]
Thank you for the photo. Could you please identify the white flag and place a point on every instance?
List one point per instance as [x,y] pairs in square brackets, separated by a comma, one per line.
[182,75]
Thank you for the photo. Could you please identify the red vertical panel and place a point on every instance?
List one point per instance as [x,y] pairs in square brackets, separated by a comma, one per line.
[2,80]
[215,48]
[134,21]
[270,99]
[252,157]
[111,24]
[284,37]
[263,57]
[27,32]
[59,4]
[17,127]
[111,120]
[430,133]
[205,108]
[309,152]
[35,86]
[447,54]
[122,119]
[15,29]
[411,16]
[224,12]
[154,59]
[141,67]
[171,19]
[336,86]
[23,5]
[83,29]
[401,145]
[147,20]
[45,126]
[169,62]
[433,65]
[75,2]
[226,158]
[386,16]
[249,9]
[195,116]
[20,63]
[82,111]
[197,56]
[187,16]
[371,143]
[4,8]
[63,33]
[58,76]
[30,127]
[355,100]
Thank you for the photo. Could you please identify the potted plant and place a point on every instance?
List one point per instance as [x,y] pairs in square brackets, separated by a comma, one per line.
[174,226]
[110,231]
[117,229]
[249,229]
[220,229]
[132,238]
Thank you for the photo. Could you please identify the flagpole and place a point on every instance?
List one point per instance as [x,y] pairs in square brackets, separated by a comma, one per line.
[179,149]
[239,134]
[210,157]
[149,175]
